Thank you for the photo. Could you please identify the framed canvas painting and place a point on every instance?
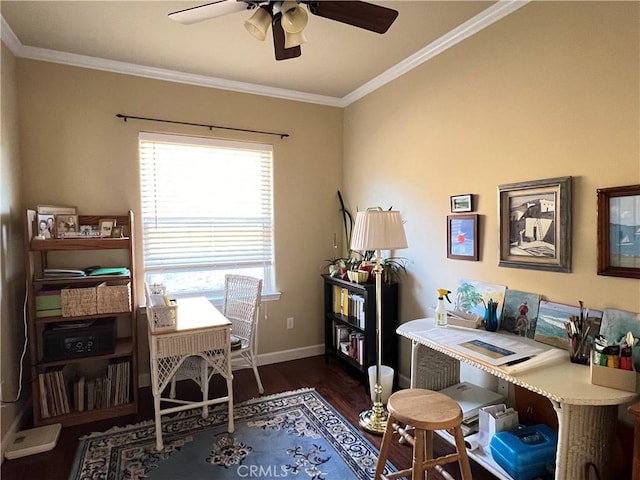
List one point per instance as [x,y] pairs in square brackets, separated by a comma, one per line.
[615,325]
[619,231]
[552,317]
[472,297]
[520,313]
[535,224]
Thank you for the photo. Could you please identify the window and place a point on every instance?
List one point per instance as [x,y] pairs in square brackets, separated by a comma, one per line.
[207,210]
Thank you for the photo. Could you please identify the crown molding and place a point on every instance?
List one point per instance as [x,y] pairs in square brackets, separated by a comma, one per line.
[481,21]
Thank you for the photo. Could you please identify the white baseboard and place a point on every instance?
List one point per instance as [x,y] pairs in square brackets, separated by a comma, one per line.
[144,380]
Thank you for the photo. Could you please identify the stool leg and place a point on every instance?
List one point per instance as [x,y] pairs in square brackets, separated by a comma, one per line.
[465,468]
[384,448]
[418,454]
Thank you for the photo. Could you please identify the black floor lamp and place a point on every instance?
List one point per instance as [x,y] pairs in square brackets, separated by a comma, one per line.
[377,229]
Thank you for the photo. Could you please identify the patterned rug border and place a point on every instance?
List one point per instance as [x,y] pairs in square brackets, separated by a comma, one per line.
[358,451]
[187,413]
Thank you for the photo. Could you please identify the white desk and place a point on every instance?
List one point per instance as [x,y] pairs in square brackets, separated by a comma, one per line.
[201,330]
[587,414]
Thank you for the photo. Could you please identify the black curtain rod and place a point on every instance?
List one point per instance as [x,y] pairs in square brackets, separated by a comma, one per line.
[210,127]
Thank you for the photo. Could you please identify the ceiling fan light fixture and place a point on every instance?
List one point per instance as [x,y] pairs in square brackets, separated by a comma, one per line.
[259,23]
[294,17]
[293,39]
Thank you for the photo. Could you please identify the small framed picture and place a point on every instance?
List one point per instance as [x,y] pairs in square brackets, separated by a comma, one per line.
[46,226]
[462,237]
[106,226]
[116,232]
[66,223]
[462,203]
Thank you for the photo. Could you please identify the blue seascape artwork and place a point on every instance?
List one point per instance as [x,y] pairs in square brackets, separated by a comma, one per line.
[616,324]
[624,231]
[550,325]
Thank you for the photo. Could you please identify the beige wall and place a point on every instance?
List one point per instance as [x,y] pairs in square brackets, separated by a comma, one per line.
[76,152]
[11,250]
[551,90]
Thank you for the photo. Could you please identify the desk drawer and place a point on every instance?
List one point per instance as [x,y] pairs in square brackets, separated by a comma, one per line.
[170,345]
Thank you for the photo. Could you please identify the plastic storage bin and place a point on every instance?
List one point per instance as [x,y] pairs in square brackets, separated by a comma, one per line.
[526,453]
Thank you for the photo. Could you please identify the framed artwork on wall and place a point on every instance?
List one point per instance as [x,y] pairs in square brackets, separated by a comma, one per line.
[619,231]
[462,237]
[535,224]
[462,203]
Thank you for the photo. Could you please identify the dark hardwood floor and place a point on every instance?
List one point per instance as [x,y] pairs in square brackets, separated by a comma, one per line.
[346,393]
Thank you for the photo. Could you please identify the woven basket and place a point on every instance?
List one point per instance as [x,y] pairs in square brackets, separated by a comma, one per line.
[78,302]
[113,297]
[161,317]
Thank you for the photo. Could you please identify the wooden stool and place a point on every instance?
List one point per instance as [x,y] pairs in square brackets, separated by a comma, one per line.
[426,411]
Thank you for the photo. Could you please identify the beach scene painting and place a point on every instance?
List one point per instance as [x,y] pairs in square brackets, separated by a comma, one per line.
[614,327]
[550,325]
[473,296]
[520,313]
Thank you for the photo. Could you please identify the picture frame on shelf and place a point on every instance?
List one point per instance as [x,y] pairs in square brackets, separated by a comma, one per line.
[535,224]
[105,226]
[462,237]
[462,203]
[619,231]
[116,232]
[66,223]
[46,227]
[56,210]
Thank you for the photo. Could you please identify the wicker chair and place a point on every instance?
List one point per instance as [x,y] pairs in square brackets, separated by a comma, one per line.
[241,306]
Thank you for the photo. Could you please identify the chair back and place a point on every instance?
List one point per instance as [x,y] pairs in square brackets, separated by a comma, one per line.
[242,295]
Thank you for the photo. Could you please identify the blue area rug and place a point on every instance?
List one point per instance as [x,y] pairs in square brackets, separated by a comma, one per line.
[288,435]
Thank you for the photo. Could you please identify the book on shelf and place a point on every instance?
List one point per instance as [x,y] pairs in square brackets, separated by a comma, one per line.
[61,390]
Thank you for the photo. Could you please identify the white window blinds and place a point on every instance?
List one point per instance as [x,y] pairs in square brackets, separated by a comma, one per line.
[207,210]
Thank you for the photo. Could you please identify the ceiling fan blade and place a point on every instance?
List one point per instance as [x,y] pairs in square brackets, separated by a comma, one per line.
[279,39]
[359,14]
[208,11]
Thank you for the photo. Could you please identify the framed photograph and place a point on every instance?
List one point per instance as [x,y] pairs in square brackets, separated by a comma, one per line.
[462,203]
[462,237]
[56,210]
[46,227]
[535,224]
[619,231]
[116,232]
[106,226]
[66,224]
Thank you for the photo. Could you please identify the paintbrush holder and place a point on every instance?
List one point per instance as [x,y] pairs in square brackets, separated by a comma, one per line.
[579,351]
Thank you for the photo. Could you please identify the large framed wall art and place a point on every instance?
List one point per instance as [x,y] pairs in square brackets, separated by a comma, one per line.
[535,224]
[619,231]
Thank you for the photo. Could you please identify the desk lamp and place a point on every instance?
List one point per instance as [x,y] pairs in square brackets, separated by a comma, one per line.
[377,229]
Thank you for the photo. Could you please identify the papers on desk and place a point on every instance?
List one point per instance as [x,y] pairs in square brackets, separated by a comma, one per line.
[488,347]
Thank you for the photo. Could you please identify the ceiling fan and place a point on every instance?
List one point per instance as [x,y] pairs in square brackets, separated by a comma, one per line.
[288,18]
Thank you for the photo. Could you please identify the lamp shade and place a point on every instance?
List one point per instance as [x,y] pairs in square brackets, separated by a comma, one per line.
[259,23]
[378,230]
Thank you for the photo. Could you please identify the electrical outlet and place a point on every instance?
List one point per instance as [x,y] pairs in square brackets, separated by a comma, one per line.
[289,323]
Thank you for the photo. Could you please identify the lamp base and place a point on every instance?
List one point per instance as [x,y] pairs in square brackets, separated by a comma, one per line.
[374,420]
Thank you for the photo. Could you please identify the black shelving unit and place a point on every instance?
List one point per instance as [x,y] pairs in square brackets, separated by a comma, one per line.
[366,327]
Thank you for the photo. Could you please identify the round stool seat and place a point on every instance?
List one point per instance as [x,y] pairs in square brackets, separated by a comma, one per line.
[424,409]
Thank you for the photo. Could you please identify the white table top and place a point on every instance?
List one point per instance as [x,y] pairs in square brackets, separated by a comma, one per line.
[560,380]
[195,314]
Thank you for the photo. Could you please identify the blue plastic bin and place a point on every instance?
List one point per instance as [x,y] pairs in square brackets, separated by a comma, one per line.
[526,453]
